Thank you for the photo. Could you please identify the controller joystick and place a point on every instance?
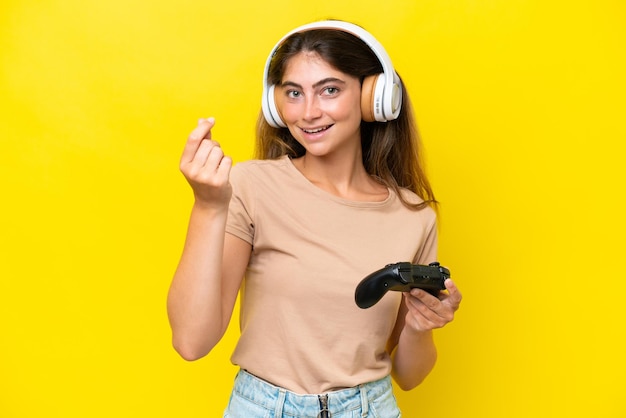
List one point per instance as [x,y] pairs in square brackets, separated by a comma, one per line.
[400,277]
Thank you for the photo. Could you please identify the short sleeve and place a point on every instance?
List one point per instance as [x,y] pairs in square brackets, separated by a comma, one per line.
[428,250]
[240,221]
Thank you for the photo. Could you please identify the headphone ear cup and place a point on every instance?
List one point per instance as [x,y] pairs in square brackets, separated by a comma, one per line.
[367,98]
[272,114]
[372,90]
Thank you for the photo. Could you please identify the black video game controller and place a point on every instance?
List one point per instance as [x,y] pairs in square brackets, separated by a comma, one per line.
[400,277]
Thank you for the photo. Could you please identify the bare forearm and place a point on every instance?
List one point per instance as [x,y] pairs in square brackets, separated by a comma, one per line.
[413,358]
[195,303]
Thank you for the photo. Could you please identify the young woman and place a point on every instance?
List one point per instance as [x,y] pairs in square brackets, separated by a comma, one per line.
[336,193]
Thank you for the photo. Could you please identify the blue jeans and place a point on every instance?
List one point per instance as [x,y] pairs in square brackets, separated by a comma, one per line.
[255,398]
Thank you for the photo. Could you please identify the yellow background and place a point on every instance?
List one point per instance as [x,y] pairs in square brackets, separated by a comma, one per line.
[521,105]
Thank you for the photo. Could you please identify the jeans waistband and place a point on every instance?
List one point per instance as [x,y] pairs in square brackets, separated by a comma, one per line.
[273,397]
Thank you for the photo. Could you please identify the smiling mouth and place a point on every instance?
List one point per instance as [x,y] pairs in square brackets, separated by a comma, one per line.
[316,130]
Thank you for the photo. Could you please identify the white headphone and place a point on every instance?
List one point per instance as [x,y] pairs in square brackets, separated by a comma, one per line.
[381,94]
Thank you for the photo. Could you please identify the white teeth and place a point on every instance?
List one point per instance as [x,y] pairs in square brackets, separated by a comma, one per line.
[314,131]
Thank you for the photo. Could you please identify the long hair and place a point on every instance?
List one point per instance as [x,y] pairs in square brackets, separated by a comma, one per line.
[391,150]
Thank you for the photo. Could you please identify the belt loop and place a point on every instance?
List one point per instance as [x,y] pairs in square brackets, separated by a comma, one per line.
[280,402]
[364,401]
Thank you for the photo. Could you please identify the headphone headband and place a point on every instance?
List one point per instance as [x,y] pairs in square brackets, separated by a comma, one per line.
[387,95]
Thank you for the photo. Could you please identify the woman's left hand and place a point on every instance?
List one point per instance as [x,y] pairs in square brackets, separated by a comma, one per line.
[427,312]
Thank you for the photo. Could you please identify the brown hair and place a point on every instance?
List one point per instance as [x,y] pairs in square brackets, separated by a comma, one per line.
[391,150]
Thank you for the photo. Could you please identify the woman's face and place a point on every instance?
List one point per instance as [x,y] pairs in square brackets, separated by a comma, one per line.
[320,105]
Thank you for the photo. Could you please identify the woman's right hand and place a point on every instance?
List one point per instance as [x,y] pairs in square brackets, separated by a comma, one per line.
[206,168]
[205,285]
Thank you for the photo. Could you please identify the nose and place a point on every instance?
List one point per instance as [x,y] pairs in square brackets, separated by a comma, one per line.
[312,108]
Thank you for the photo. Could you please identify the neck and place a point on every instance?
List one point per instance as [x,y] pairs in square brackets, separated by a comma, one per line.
[332,169]
[343,176]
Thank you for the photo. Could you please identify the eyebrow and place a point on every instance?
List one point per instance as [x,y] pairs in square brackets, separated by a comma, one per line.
[316,85]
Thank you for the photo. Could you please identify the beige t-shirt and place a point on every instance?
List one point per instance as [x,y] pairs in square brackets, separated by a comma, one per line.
[300,326]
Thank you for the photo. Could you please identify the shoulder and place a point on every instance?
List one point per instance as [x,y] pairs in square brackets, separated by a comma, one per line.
[253,175]
[257,169]
[410,197]
[260,166]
